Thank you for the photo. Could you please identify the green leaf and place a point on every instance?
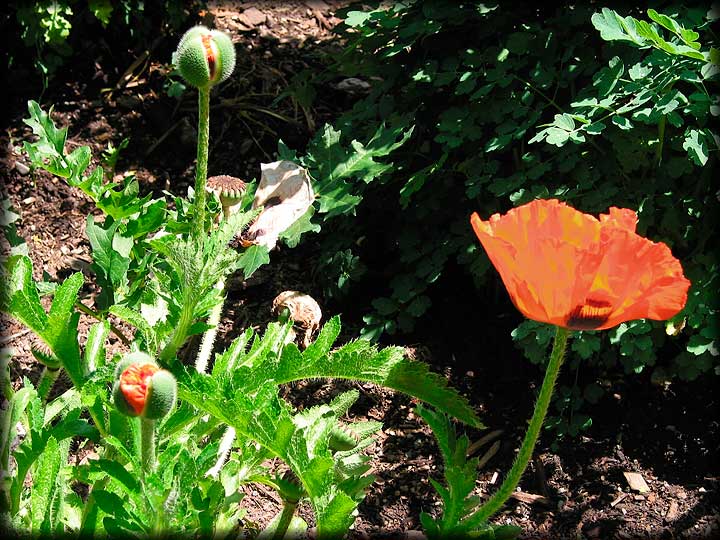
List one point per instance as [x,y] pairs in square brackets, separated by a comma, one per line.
[356,18]
[696,145]
[253,258]
[138,321]
[61,311]
[689,37]
[622,122]
[291,235]
[360,360]
[102,9]
[333,165]
[46,483]
[10,418]
[110,252]
[607,78]
[94,355]
[21,299]
[325,340]
[613,27]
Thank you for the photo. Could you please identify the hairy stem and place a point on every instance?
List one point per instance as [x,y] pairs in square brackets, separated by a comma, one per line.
[494,503]
[226,443]
[286,516]
[47,381]
[147,444]
[179,336]
[202,160]
[208,339]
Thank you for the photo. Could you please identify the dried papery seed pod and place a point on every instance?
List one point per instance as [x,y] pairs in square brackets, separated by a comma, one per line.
[141,388]
[229,189]
[285,193]
[302,309]
[205,57]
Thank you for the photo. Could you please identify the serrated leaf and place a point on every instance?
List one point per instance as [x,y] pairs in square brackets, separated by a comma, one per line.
[94,354]
[61,311]
[138,321]
[253,258]
[325,340]
[110,257]
[21,295]
[45,487]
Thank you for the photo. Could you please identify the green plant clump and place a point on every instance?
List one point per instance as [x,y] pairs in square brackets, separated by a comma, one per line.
[175,443]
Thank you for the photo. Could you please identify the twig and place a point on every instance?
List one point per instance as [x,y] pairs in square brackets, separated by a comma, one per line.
[531,498]
[483,441]
[115,330]
[13,337]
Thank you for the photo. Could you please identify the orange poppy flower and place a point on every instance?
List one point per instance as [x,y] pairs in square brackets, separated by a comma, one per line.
[134,383]
[572,270]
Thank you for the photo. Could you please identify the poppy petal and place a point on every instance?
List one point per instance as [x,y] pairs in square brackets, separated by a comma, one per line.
[568,268]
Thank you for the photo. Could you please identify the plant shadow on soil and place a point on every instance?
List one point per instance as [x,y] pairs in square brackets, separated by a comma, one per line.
[670,435]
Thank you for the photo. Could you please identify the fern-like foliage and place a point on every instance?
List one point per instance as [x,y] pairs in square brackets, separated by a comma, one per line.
[457,520]
[242,391]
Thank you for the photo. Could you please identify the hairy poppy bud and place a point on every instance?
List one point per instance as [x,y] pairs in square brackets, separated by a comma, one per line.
[143,389]
[205,57]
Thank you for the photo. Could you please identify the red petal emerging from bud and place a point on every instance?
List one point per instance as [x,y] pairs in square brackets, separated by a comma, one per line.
[134,383]
[209,54]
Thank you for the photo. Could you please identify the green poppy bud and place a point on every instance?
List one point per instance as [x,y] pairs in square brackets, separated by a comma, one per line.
[205,57]
[143,389]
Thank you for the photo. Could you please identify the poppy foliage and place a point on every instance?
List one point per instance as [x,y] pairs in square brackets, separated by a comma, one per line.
[570,269]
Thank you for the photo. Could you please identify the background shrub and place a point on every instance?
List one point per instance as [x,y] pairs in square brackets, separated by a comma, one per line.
[481,107]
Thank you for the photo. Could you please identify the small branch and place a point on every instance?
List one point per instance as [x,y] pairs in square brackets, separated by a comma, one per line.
[115,330]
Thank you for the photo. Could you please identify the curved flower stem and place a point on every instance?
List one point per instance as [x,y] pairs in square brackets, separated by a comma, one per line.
[494,503]
[167,355]
[147,444]
[288,511]
[48,376]
[202,160]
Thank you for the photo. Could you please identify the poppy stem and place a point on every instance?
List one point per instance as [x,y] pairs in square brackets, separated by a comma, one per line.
[147,444]
[202,160]
[495,502]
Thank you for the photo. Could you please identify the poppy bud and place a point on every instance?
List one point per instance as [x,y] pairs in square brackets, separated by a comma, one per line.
[143,389]
[205,57]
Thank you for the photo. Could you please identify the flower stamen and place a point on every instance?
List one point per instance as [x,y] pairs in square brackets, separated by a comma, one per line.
[590,315]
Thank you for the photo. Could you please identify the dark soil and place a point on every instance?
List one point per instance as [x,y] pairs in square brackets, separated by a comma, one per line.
[576,490]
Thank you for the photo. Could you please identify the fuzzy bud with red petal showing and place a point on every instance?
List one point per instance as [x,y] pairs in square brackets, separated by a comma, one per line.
[205,57]
[143,389]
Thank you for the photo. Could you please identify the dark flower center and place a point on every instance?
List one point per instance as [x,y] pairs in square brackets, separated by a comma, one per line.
[590,315]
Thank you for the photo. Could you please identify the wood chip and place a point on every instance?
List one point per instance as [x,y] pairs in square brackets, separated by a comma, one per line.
[618,499]
[636,482]
[531,498]
[317,5]
[252,17]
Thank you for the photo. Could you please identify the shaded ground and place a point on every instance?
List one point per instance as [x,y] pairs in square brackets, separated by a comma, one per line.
[670,435]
